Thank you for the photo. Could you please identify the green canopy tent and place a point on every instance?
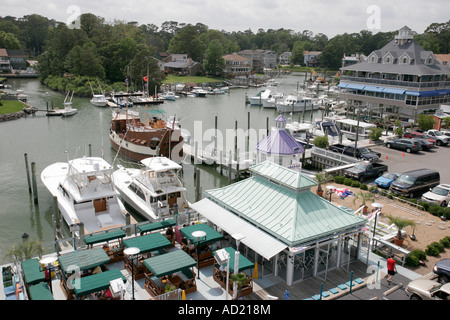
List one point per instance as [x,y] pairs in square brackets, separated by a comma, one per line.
[103,237]
[40,291]
[149,227]
[32,271]
[244,263]
[148,243]
[96,282]
[83,260]
[211,234]
[169,263]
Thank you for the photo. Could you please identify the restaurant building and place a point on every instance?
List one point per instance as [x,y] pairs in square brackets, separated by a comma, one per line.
[288,230]
[400,78]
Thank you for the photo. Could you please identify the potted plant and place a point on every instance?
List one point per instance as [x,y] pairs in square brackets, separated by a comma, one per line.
[320,177]
[364,196]
[400,223]
[240,280]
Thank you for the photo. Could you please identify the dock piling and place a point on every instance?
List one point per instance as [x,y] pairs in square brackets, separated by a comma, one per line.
[33,178]
[28,173]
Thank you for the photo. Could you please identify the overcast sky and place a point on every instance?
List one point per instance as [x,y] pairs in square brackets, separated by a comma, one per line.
[330,17]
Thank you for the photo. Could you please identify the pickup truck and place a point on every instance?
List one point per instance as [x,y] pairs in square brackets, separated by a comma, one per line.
[362,153]
[441,139]
[364,170]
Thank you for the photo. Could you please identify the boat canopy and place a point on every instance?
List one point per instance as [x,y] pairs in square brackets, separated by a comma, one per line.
[169,263]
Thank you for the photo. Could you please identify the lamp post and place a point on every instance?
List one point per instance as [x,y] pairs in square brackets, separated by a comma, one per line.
[330,190]
[198,235]
[47,261]
[132,252]
[378,206]
[238,237]
[222,256]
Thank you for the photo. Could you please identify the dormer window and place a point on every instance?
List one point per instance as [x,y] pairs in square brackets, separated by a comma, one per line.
[430,60]
[405,60]
[373,59]
[388,58]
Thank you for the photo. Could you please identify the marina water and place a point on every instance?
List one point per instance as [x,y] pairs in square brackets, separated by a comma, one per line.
[51,139]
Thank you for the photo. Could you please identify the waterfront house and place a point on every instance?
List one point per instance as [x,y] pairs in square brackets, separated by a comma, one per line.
[311,58]
[288,230]
[256,58]
[285,58]
[352,59]
[443,59]
[401,79]
[18,59]
[279,146]
[182,65]
[236,65]
[5,65]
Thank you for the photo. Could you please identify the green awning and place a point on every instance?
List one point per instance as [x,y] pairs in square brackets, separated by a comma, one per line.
[244,263]
[149,227]
[169,263]
[40,291]
[149,242]
[107,236]
[32,271]
[96,282]
[84,259]
[211,234]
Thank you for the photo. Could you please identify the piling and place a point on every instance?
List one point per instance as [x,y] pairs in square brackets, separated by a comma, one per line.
[197,184]
[56,215]
[33,178]
[90,150]
[28,173]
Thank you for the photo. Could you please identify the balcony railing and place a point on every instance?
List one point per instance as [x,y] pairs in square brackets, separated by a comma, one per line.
[409,84]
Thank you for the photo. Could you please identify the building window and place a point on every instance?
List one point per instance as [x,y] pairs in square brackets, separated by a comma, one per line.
[404,60]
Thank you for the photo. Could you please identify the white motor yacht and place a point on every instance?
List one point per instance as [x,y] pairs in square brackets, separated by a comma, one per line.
[85,193]
[99,100]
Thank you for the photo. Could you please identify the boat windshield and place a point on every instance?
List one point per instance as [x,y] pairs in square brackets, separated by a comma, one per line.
[440,191]
[331,128]
[406,179]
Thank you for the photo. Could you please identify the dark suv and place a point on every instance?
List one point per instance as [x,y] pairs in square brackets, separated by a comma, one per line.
[408,145]
[442,269]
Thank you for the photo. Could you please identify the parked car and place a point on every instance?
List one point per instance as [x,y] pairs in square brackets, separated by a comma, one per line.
[441,139]
[425,144]
[413,183]
[362,153]
[422,289]
[418,135]
[408,145]
[439,195]
[386,179]
[442,269]
[364,170]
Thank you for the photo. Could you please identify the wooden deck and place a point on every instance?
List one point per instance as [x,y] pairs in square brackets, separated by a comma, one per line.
[311,286]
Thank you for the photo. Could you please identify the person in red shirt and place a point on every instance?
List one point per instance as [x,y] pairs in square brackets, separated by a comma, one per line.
[391,268]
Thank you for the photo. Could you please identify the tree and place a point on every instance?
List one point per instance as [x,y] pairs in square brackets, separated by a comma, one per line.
[398,128]
[8,41]
[425,122]
[321,142]
[142,63]
[400,223]
[297,56]
[26,250]
[186,40]
[214,64]
[84,61]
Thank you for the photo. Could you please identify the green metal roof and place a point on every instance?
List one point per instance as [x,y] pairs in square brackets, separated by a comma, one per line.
[96,282]
[149,242]
[282,175]
[83,259]
[40,291]
[148,227]
[244,263]
[32,271]
[293,216]
[107,236]
[211,234]
[169,263]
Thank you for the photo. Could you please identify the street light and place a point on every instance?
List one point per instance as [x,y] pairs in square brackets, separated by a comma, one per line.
[198,234]
[330,190]
[132,252]
[378,206]
[47,261]
[238,237]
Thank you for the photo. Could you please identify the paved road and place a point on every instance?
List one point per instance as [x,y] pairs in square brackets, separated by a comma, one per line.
[401,161]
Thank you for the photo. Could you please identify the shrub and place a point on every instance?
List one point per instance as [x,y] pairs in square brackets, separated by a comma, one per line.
[355,184]
[413,201]
[446,213]
[363,186]
[339,179]
[419,254]
[425,205]
[432,251]
[435,210]
[412,261]
[445,242]
[348,181]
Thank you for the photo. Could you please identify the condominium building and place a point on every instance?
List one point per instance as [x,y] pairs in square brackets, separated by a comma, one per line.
[400,78]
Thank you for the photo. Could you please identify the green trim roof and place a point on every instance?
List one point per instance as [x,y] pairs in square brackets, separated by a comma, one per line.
[40,291]
[148,227]
[84,259]
[244,263]
[282,175]
[169,263]
[211,234]
[32,271]
[149,242]
[96,282]
[107,236]
[295,217]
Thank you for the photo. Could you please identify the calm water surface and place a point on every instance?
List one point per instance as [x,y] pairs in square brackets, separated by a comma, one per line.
[51,139]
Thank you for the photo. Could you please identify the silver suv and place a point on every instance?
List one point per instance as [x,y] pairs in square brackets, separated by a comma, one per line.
[439,195]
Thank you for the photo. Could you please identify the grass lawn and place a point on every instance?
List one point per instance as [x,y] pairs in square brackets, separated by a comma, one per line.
[189,79]
[11,106]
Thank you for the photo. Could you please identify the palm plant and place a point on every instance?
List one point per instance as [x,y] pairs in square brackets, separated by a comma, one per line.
[321,177]
[364,196]
[400,223]
[26,250]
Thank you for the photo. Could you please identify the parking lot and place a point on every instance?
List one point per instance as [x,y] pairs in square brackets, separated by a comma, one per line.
[401,161]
